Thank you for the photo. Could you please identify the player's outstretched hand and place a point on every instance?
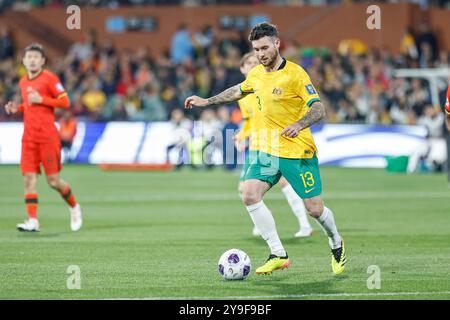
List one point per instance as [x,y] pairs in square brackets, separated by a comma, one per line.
[11,107]
[192,101]
[292,131]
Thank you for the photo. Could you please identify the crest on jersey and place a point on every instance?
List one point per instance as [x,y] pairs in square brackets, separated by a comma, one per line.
[310,89]
[277,91]
[59,87]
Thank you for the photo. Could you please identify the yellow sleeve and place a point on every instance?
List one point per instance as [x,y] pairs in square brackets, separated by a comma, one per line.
[305,89]
[247,86]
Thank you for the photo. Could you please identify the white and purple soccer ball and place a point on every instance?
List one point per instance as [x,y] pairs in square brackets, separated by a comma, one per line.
[234,264]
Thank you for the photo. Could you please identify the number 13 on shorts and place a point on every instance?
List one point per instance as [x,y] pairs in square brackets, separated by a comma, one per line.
[308,179]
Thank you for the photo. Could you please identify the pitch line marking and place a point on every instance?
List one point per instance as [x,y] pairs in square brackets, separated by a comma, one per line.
[287,296]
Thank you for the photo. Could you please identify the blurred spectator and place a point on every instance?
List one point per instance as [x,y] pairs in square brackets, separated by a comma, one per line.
[427,43]
[152,107]
[408,45]
[418,97]
[67,132]
[432,155]
[93,99]
[177,151]
[182,47]
[229,152]
[108,84]
[6,43]
[352,46]
[203,40]
[132,104]
[118,111]
[400,113]
[443,60]
[83,49]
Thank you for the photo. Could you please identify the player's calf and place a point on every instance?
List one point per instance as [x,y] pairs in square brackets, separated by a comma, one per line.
[65,191]
[30,182]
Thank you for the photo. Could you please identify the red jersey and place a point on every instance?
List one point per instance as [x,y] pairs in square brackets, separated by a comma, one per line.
[39,119]
[447,102]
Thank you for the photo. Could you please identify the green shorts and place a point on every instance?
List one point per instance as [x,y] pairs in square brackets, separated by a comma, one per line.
[246,165]
[302,174]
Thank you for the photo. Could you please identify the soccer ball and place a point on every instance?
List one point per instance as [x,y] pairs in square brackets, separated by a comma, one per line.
[234,264]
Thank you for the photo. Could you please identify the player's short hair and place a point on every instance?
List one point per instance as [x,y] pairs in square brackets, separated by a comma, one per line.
[246,56]
[262,30]
[35,47]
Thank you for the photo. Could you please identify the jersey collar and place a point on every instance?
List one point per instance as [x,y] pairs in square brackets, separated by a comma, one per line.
[282,65]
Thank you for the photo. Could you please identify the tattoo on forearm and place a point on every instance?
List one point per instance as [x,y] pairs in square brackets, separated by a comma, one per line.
[231,94]
[314,114]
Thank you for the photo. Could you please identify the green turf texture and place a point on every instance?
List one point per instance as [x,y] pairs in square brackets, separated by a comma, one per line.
[160,235]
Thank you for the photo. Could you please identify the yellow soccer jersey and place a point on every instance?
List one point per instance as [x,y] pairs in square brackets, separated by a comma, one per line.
[282,98]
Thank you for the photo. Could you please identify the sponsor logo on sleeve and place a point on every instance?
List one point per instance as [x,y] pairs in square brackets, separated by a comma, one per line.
[59,87]
[310,89]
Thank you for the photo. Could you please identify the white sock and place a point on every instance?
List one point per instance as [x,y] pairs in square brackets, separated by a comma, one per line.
[326,222]
[263,220]
[297,206]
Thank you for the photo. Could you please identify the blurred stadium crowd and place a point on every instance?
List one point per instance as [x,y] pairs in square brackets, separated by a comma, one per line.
[23,4]
[354,81]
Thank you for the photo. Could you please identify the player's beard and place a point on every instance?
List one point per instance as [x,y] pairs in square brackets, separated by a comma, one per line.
[270,61]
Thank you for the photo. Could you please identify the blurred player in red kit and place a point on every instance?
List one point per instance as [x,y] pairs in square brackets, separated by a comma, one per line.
[41,93]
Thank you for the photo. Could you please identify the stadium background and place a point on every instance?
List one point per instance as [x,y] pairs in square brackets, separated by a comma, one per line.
[138,64]
[128,71]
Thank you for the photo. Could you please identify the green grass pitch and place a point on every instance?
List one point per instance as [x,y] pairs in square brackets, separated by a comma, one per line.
[159,235]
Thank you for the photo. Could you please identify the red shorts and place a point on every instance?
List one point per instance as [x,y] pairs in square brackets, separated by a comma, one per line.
[33,154]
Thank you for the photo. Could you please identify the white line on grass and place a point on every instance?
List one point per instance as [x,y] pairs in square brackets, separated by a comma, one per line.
[291,296]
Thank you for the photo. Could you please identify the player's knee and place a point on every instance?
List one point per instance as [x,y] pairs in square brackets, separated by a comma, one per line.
[53,182]
[250,197]
[314,207]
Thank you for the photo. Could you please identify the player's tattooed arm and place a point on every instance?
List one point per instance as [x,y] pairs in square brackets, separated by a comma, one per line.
[315,113]
[229,95]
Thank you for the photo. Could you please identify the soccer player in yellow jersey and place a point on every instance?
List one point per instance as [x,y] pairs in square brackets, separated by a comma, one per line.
[248,106]
[288,104]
